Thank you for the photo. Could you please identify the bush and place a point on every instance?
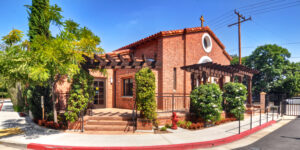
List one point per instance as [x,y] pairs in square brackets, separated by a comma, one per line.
[168,125]
[188,124]
[235,95]
[163,129]
[179,123]
[81,92]
[145,93]
[34,94]
[206,102]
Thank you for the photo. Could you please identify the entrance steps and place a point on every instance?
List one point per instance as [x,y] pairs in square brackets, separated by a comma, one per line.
[109,122]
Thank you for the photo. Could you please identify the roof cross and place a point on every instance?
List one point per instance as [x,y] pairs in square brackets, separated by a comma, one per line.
[202,20]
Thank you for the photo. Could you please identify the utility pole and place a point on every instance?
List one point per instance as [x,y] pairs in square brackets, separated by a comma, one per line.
[239,26]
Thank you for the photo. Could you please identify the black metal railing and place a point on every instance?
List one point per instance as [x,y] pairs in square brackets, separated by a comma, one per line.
[291,107]
[275,110]
[172,102]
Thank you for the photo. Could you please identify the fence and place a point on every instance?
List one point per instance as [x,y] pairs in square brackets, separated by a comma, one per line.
[291,107]
[274,110]
[172,102]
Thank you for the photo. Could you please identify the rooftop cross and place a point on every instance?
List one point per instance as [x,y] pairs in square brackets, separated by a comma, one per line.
[202,20]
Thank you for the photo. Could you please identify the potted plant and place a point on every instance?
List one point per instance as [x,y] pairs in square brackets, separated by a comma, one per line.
[145,98]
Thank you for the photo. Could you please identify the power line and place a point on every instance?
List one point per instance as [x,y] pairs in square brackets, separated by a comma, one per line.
[271,7]
[255,4]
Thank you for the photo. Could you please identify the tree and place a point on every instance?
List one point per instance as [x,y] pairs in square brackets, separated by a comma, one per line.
[53,57]
[14,66]
[145,93]
[235,60]
[271,61]
[290,84]
[41,14]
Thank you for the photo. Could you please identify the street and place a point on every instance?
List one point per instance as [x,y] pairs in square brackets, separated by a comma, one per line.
[286,137]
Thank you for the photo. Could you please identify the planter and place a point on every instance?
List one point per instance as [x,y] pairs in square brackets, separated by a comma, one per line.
[144,124]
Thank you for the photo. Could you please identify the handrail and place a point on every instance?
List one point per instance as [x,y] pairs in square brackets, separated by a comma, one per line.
[134,114]
[82,115]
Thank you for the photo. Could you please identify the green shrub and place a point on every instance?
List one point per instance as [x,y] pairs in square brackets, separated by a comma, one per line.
[145,93]
[235,95]
[81,92]
[206,102]
[34,94]
[163,129]
[188,124]
[179,123]
[168,125]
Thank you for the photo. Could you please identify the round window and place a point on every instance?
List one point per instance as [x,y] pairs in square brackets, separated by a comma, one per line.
[206,42]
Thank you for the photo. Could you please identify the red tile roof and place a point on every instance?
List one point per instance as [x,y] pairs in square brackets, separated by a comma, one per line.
[176,32]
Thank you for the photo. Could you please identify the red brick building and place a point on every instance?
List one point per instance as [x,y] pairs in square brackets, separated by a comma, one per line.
[174,49]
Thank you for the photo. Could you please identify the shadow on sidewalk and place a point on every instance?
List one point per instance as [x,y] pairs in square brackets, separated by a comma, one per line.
[31,130]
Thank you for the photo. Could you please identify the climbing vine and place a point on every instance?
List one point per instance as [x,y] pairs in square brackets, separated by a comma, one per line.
[81,92]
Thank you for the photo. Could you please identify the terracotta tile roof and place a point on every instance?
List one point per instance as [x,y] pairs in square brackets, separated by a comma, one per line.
[176,32]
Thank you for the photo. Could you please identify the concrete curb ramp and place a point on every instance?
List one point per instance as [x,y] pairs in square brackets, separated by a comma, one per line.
[204,144]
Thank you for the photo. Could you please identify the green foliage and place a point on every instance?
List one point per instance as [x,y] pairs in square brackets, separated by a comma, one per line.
[41,14]
[290,84]
[81,92]
[168,125]
[188,124]
[34,94]
[163,129]
[145,93]
[235,60]
[179,123]
[235,95]
[271,61]
[206,101]
[13,37]
[16,95]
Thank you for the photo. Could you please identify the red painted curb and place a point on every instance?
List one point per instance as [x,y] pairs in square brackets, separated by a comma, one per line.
[1,106]
[203,144]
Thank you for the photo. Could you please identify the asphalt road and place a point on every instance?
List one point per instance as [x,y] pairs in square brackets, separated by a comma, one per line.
[285,138]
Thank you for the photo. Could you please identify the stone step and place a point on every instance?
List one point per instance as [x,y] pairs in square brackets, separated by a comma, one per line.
[108,128]
[109,122]
[121,118]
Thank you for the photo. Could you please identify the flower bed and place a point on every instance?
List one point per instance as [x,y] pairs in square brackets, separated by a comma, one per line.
[50,124]
[200,125]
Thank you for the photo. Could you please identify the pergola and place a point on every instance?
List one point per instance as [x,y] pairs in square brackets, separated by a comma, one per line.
[120,61]
[201,72]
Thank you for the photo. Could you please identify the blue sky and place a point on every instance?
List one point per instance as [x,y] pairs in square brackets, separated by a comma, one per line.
[121,22]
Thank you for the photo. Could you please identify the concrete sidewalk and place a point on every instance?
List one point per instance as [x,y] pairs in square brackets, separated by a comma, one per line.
[36,134]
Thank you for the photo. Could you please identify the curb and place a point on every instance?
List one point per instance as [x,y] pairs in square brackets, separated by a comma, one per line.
[14,145]
[204,144]
[1,105]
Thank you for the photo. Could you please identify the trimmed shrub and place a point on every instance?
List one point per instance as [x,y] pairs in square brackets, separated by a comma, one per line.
[168,125]
[206,102]
[235,95]
[145,93]
[163,129]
